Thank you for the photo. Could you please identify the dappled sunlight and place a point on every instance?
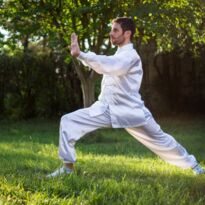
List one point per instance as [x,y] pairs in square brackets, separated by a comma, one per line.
[129,166]
[115,169]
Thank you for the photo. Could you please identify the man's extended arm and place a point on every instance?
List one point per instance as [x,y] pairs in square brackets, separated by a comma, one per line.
[118,64]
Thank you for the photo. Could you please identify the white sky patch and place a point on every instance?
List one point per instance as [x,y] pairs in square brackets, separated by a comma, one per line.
[4,32]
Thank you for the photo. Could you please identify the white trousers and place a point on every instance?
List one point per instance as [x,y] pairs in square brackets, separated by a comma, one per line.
[76,124]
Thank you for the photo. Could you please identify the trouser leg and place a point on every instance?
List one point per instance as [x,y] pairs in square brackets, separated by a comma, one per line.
[75,125]
[162,144]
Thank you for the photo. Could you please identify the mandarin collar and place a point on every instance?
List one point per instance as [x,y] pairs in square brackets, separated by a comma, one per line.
[125,47]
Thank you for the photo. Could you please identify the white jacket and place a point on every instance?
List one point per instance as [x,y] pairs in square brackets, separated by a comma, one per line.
[122,76]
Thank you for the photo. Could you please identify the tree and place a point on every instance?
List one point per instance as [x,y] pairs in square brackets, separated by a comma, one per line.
[171,24]
[57,20]
[174,24]
[88,20]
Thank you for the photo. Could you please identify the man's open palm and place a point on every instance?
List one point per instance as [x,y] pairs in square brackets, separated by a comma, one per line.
[74,48]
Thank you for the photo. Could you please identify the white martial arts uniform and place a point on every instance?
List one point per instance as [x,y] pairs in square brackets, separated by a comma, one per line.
[119,106]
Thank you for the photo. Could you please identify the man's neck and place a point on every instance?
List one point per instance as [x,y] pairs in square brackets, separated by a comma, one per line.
[125,43]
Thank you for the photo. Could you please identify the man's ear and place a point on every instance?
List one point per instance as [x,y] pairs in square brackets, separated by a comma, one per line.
[128,34]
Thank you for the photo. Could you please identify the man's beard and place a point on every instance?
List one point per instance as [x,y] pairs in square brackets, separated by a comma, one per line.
[117,41]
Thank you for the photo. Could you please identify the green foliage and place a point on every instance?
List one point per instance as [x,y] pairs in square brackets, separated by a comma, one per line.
[32,85]
[113,170]
[171,24]
[176,23]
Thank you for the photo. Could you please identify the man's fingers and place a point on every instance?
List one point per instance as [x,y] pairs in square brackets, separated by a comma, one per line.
[74,38]
[74,47]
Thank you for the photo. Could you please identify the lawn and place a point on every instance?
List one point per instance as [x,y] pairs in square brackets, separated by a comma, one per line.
[112,167]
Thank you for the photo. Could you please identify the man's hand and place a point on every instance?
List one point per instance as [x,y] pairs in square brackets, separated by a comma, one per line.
[74,48]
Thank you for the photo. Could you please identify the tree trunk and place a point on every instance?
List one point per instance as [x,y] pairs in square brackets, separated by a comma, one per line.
[88,89]
[2,91]
[25,42]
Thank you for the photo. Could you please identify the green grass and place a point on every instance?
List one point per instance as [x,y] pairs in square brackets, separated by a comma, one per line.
[112,167]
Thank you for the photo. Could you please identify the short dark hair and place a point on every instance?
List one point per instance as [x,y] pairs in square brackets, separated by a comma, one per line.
[127,24]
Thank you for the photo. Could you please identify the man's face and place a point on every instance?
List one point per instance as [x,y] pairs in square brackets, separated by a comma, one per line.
[117,37]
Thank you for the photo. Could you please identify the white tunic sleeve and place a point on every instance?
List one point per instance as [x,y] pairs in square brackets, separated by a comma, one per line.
[118,64]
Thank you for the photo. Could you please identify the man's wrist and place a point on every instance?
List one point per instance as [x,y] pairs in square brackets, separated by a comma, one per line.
[81,55]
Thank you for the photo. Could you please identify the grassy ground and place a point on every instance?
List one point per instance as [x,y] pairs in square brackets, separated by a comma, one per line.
[112,167]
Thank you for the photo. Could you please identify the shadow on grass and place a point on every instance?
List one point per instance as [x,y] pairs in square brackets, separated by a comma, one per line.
[39,131]
[105,141]
[109,142]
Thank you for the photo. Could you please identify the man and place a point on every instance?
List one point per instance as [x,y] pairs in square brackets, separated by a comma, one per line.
[119,104]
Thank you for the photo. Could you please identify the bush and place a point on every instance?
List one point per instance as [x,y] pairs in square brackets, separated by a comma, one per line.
[37,85]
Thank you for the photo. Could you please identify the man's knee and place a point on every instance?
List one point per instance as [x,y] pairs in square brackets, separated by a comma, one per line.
[66,119]
[65,126]
[70,129]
